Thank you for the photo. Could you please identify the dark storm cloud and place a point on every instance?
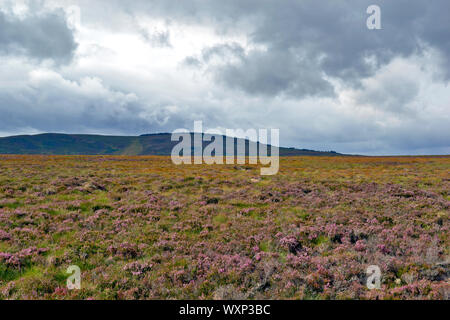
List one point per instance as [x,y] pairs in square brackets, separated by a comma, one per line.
[274,73]
[254,73]
[308,40]
[44,36]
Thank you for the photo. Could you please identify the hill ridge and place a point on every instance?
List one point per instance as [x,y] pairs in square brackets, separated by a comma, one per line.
[97,144]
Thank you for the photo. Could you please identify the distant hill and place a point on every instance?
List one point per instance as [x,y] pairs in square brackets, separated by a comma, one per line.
[86,144]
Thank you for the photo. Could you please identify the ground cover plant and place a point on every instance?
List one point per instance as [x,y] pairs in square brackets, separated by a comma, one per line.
[143,228]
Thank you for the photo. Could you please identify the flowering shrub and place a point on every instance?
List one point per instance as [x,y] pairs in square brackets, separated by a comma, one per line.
[4,235]
[21,258]
[137,268]
[142,228]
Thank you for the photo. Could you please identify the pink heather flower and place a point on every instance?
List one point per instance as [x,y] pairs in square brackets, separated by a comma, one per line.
[360,245]
[138,268]
[4,235]
[60,291]
[383,248]
[291,243]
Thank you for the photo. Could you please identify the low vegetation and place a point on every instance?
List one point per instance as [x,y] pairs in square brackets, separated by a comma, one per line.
[143,228]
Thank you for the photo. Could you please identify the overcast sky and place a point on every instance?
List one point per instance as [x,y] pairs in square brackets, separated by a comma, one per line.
[311,68]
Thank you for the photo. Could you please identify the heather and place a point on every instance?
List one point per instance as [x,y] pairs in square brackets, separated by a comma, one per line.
[143,228]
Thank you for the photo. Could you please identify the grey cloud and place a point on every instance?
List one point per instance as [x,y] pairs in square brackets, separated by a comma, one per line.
[294,49]
[393,95]
[159,39]
[334,31]
[43,36]
[335,28]
[277,72]
[47,102]
[223,51]
[257,72]
[59,115]
[192,62]
[350,135]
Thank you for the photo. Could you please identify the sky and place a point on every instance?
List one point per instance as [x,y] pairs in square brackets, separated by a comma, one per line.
[310,68]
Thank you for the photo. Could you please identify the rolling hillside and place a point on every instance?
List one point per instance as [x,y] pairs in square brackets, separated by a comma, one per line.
[82,144]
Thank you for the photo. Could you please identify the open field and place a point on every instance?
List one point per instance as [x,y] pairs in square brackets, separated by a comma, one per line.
[143,228]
